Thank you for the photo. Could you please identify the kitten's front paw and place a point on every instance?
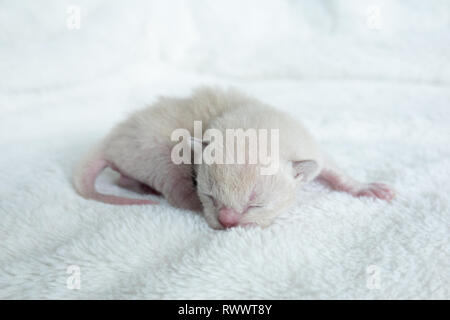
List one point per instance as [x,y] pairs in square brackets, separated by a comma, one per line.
[376,190]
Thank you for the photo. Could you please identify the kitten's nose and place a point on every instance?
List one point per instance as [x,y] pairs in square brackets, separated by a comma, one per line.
[228,217]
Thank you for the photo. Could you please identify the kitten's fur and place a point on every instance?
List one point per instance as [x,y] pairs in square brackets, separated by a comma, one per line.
[236,194]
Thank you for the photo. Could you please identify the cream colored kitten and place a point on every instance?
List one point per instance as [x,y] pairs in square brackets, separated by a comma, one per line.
[229,194]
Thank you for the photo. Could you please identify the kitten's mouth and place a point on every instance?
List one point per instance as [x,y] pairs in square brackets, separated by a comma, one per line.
[233,224]
[243,225]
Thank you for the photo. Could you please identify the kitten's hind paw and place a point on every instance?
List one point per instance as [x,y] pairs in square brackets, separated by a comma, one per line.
[376,190]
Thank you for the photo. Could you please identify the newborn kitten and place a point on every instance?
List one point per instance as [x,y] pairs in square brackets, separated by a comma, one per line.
[140,149]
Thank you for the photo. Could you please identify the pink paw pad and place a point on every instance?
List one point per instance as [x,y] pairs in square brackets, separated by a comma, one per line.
[376,190]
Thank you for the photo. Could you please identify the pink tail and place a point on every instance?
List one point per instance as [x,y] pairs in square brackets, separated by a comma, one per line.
[85,183]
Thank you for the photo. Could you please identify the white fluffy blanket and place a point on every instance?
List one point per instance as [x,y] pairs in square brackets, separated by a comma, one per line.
[381,110]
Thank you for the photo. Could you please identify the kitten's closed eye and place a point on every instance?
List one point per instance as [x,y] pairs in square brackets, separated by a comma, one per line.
[210,197]
[254,205]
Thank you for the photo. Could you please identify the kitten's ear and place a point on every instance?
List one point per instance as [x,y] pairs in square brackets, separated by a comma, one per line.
[305,170]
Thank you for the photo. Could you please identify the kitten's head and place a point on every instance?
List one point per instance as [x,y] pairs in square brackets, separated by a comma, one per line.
[238,194]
